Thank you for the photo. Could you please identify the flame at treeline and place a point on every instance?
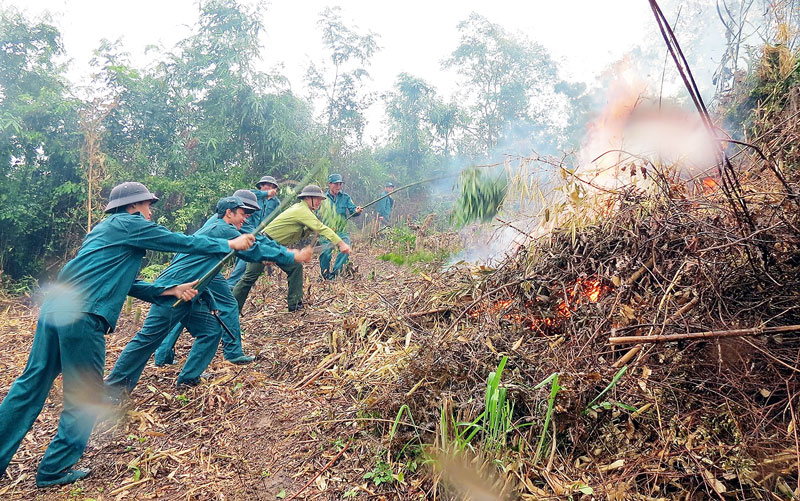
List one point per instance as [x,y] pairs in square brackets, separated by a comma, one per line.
[528,313]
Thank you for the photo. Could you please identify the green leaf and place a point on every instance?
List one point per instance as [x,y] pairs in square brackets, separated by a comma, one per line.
[281,494]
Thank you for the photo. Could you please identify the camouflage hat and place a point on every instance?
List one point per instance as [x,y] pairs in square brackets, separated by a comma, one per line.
[335,178]
[312,190]
[128,193]
[249,199]
[266,179]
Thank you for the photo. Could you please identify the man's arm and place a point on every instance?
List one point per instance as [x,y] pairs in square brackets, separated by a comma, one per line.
[152,236]
[149,292]
[310,221]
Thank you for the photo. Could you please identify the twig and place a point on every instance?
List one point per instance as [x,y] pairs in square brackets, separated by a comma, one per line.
[665,338]
[320,472]
[314,375]
[416,314]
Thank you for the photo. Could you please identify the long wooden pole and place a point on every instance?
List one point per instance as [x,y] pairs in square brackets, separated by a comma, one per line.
[665,338]
[429,180]
[415,183]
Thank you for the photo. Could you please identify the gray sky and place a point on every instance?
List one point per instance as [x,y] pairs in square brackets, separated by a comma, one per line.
[584,36]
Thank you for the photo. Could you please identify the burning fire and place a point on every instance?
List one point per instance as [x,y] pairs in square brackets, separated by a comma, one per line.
[581,291]
[710,185]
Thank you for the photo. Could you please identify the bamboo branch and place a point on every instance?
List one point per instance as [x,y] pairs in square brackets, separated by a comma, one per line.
[665,338]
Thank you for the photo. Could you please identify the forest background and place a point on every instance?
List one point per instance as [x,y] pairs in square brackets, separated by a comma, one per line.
[201,119]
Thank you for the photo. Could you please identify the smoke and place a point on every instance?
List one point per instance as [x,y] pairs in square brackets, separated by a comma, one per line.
[634,113]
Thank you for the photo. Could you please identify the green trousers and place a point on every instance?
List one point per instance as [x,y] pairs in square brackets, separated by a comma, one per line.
[77,350]
[161,319]
[228,312]
[294,280]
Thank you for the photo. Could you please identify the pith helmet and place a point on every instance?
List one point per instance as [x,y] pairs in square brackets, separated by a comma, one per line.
[389,184]
[266,179]
[128,193]
[229,203]
[312,190]
[335,178]
[249,199]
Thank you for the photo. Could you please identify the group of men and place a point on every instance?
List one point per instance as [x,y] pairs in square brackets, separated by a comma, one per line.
[85,303]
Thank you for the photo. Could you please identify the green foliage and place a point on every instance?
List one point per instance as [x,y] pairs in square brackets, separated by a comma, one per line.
[332,219]
[416,257]
[480,198]
[41,194]
[150,272]
[607,405]
[503,76]
[341,85]
[498,410]
[23,286]
[380,474]
[408,107]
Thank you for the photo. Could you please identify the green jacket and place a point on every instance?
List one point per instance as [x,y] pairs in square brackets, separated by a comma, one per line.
[384,207]
[343,203]
[103,273]
[296,222]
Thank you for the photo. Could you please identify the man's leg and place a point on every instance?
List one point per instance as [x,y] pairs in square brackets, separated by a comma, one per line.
[165,354]
[238,270]
[83,355]
[134,356]
[242,289]
[325,258]
[294,282]
[27,395]
[341,258]
[229,314]
[207,333]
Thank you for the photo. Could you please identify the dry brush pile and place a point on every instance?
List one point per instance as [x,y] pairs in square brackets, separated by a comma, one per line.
[712,416]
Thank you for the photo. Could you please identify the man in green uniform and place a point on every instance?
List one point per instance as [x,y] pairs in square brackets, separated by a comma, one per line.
[266,194]
[290,226]
[195,315]
[77,313]
[228,308]
[343,207]
[384,206]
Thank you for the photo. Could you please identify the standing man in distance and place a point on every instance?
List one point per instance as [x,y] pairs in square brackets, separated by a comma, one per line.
[341,207]
[384,206]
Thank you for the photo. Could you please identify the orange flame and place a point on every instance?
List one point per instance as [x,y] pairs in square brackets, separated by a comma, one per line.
[583,290]
[710,185]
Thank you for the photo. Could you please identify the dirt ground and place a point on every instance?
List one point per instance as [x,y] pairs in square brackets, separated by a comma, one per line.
[260,431]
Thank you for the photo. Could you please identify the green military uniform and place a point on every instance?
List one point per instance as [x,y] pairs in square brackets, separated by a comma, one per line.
[290,226]
[266,206]
[344,208]
[384,206]
[194,315]
[70,335]
[223,297]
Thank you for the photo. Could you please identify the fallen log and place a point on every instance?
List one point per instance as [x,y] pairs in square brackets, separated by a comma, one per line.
[665,338]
